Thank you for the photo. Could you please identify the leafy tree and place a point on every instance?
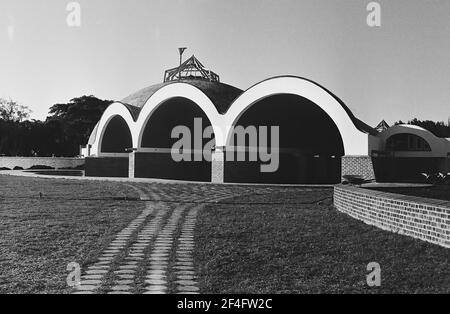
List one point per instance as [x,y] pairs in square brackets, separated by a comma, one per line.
[73,122]
[66,128]
[13,111]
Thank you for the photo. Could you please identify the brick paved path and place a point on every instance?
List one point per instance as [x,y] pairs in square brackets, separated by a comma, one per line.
[154,253]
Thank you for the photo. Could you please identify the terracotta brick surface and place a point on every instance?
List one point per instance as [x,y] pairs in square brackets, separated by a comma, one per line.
[358,165]
[421,218]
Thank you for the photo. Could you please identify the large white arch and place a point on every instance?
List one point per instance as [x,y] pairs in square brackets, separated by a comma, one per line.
[355,142]
[171,91]
[440,147]
[114,110]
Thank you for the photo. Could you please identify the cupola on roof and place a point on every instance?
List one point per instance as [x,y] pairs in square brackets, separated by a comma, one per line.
[192,68]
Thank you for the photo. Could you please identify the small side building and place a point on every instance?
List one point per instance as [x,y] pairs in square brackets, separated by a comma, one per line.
[403,152]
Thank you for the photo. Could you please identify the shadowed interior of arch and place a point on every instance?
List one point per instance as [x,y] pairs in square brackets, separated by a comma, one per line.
[310,144]
[157,135]
[117,136]
[407,142]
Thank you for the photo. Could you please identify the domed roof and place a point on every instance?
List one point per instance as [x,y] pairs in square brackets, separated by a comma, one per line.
[221,95]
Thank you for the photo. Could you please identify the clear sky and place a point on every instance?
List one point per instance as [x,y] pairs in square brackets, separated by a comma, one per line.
[398,71]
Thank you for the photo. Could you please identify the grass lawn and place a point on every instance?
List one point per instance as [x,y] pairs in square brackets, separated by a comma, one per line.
[39,237]
[272,240]
[310,248]
[441,192]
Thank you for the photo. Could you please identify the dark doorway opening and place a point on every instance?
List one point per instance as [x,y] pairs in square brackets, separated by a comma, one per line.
[157,134]
[117,137]
[310,143]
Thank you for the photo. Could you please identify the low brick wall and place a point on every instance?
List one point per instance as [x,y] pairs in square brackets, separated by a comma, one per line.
[28,162]
[106,167]
[292,169]
[162,166]
[421,218]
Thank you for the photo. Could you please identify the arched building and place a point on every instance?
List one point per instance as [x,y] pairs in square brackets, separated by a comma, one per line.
[403,152]
[318,138]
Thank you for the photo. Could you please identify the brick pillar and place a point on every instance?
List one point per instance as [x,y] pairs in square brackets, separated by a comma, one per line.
[218,165]
[358,165]
[131,164]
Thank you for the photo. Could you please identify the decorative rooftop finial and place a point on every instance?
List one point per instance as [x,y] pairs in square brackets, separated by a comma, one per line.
[190,69]
[181,50]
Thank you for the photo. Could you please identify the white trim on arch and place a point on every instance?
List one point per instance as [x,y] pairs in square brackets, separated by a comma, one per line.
[171,91]
[114,110]
[355,142]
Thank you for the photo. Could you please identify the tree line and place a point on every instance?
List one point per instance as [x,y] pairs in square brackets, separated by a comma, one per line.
[440,129]
[66,128]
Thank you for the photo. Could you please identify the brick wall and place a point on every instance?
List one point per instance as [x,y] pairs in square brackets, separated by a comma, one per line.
[420,218]
[106,167]
[358,165]
[28,162]
[162,166]
[292,169]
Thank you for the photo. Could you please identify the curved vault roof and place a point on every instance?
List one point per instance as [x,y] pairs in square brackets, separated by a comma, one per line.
[221,95]
[360,125]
